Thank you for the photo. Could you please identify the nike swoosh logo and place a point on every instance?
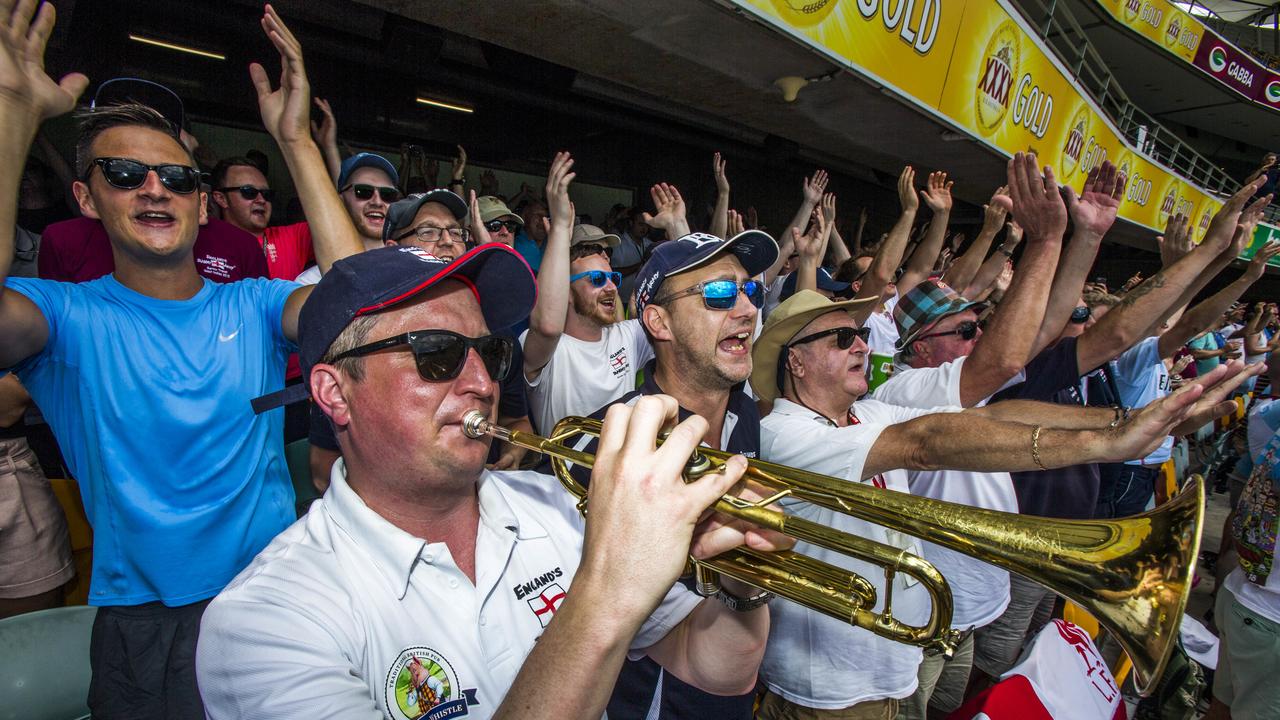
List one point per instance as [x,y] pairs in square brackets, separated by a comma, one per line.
[224,337]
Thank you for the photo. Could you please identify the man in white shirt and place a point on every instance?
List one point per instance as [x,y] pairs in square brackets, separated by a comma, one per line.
[811,353]
[419,564]
[578,354]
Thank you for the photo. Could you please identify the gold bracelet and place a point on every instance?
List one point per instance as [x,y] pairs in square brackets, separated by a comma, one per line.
[1035,447]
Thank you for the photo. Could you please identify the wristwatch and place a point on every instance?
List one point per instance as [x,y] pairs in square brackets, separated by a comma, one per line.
[737,604]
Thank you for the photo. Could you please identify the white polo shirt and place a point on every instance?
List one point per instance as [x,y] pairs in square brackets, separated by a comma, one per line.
[980,591]
[812,659]
[345,615]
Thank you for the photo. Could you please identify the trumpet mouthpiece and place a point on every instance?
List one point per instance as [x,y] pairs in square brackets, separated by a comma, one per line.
[475,424]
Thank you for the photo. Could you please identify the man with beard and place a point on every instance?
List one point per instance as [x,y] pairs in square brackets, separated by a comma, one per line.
[577,355]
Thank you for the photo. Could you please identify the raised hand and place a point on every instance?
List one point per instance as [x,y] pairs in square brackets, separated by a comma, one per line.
[27,93]
[1258,265]
[1132,282]
[809,245]
[1095,210]
[286,111]
[1037,203]
[1216,400]
[815,186]
[722,180]
[937,192]
[325,132]
[1176,240]
[752,219]
[828,208]
[459,163]
[479,233]
[735,223]
[1146,429]
[559,207]
[670,215]
[997,210]
[1223,225]
[907,190]
[1013,236]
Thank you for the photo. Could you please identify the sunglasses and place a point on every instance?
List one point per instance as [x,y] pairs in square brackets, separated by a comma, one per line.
[249,192]
[1081,315]
[511,225]
[844,337]
[598,277]
[440,354]
[127,174]
[721,294]
[364,192]
[967,330]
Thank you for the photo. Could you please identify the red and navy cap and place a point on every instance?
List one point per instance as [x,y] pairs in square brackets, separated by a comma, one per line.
[383,278]
[753,248]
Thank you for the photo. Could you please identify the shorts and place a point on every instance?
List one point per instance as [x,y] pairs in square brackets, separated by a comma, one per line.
[144,662]
[35,549]
[1248,645]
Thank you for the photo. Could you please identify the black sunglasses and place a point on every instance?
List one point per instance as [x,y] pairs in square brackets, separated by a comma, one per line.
[1081,315]
[844,336]
[127,174]
[249,192]
[495,225]
[441,354]
[364,192]
[720,294]
[967,330]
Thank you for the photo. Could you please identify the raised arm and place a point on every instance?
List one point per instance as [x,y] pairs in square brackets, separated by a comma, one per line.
[993,266]
[27,97]
[810,246]
[546,323]
[720,216]
[1092,215]
[1200,317]
[669,213]
[1007,342]
[936,195]
[813,189]
[889,255]
[966,266]
[972,440]
[325,133]
[836,249]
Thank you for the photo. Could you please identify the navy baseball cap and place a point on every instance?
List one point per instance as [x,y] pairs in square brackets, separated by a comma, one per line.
[401,213]
[754,249]
[825,282]
[366,159]
[383,278]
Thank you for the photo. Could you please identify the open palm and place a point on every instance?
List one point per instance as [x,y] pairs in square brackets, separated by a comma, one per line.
[24,85]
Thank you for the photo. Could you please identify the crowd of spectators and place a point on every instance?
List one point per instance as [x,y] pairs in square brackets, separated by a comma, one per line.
[175,340]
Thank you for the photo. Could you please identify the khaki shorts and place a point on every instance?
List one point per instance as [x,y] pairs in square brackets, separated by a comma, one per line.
[1249,645]
[35,550]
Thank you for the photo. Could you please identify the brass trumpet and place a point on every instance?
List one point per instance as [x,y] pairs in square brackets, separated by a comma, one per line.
[1132,574]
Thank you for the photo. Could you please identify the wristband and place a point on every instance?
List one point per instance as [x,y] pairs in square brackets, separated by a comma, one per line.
[737,604]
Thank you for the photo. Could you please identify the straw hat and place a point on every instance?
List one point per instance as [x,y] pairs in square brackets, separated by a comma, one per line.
[784,322]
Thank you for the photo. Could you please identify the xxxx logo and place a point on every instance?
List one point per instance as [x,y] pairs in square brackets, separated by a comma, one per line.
[995,84]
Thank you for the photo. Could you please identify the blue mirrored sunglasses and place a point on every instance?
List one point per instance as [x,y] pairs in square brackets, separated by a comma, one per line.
[721,294]
[598,277]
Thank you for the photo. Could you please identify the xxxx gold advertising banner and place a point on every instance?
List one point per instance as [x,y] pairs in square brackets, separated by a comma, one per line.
[1161,22]
[976,65]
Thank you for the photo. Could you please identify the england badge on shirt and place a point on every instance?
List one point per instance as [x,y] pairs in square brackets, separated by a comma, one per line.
[545,604]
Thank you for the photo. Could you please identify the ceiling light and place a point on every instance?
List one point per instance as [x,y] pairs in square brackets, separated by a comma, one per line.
[174,46]
[445,105]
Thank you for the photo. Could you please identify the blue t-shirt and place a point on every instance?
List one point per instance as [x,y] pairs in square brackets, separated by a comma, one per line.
[1142,378]
[529,250]
[1207,341]
[149,400]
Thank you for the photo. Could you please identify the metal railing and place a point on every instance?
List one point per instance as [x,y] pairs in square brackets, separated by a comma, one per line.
[1061,31]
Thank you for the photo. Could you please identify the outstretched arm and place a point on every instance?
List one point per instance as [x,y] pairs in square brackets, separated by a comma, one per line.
[1007,342]
[813,189]
[966,266]
[937,195]
[1199,318]
[546,323]
[325,133]
[889,255]
[27,97]
[720,216]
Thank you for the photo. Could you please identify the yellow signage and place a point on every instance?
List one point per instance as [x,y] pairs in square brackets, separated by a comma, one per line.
[1000,84]
[1160,21]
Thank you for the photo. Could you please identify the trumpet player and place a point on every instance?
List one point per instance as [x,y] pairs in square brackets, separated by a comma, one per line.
[809,361]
